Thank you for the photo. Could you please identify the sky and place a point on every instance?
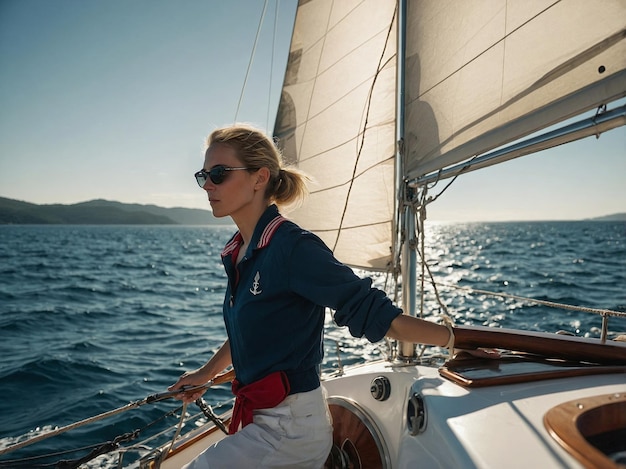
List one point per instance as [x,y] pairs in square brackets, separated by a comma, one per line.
[114,99]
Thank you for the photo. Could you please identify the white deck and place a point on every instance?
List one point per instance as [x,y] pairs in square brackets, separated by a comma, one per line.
[490,427]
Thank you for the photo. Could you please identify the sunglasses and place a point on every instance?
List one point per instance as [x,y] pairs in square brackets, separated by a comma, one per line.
[217,174]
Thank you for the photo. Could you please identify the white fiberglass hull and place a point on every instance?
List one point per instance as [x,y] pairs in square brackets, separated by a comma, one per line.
[488,427]
[430,421]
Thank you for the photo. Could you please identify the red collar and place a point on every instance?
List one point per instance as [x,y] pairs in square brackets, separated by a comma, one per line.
[264,239]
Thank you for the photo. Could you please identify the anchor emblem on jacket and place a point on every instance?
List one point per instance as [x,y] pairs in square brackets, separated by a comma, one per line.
[255,285]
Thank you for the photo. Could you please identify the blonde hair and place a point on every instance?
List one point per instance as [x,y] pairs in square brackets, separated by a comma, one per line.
[287,185]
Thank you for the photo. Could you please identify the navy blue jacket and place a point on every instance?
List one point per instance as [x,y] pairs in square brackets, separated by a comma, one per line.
[275,300]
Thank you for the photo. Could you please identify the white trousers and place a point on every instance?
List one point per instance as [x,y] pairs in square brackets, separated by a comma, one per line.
[297,433]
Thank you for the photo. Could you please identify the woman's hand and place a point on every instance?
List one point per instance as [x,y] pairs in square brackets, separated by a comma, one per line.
[191,379]
[220,361]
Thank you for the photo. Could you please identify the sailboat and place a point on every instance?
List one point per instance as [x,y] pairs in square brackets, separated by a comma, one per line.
[383,101]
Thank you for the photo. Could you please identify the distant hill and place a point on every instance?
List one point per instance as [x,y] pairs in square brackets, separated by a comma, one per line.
[103,212]
[106,212]
[613,217]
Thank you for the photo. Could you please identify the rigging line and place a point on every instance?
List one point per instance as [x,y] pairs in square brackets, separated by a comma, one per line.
[552,304]
[105,448]
[188,419]
[131,405]
[467,166]
[179,427]
[422,238]
[461,171]
[163,454]
[367,111]
[434,284]
[269,92]
[142,444]
[60,430]
[256,41]
[31,459]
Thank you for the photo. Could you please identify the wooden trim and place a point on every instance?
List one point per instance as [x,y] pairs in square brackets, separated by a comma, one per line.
[542,343]
[356,438]
[196,438]
[525,370]
[182,445]
[572,424]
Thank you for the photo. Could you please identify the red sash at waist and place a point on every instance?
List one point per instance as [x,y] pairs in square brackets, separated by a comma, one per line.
[262,394]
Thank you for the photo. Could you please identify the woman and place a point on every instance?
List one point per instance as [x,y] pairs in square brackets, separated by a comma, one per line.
[280,279]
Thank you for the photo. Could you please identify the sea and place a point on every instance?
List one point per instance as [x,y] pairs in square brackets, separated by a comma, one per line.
[95,317]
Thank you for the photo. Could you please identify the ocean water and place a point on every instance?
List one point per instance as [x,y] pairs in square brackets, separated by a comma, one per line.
[94,317]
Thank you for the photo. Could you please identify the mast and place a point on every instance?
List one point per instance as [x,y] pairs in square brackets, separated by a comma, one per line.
[405,232]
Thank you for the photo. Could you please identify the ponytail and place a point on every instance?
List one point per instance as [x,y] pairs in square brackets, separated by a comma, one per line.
[287,185]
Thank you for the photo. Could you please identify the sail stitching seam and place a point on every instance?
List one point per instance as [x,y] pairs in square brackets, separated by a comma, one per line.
[360,149]
[486,50]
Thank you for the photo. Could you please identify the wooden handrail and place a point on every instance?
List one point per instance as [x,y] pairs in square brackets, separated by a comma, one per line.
[541,343]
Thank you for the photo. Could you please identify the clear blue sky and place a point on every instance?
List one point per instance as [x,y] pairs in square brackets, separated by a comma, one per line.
[113,99]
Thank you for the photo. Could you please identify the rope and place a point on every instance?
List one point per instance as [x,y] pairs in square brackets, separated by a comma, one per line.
[256,41]
[180,424]
[552,304]
[132,405]
[100,450]
[208,413]
[60,430]
[95,450]
[361,144]
[420,213]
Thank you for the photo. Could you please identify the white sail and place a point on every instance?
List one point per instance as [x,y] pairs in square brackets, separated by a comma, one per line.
[478,74]
[483,73]
[336,121]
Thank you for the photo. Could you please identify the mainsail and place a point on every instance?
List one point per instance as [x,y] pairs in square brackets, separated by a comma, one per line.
[478,74]
[483,73]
